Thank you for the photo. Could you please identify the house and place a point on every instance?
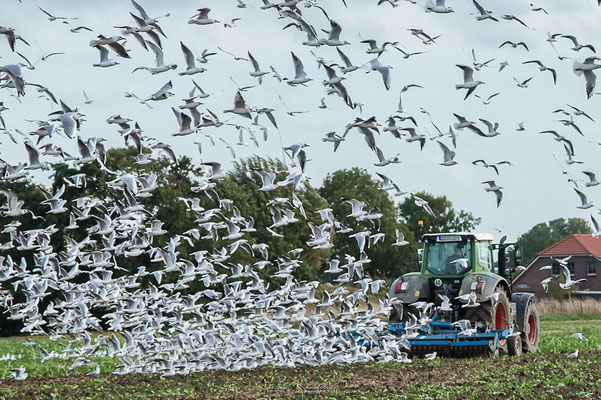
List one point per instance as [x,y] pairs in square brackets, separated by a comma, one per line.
[585,262]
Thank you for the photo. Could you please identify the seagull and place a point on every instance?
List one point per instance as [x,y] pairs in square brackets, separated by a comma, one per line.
[349,67]
[184,122]
[383,161]
[597,231]
[578,111]
[514,44]
[492,129]
[587,68]
[569,282]
[240,107]
[161,94]
[487,101]
[257,73]
[592,179]
[478,65]
[493,187]
[510,17]
[202,18]
[439,7]
[468,81]
[34,157]
[463,122]
[191,68]
[542,67]
[334,36]
[334,138]
[400,239]
[493,166]
[448,155]
[373,46]
[414,137]
[574,354]
[216,172]
[579,336]
[376,65]
[160,64]
[585,203]
[104,58]
[300,77]
[53,17]
[267,180]
[19,374]
[523,84]
[483,14]
[578,46]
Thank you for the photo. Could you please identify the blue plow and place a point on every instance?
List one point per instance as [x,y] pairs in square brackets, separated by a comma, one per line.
[440,333]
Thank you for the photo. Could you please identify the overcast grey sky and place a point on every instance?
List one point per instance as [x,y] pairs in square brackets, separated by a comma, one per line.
[535,189]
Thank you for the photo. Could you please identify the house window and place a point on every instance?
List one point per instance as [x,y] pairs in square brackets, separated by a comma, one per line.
[591,268]
[555,270]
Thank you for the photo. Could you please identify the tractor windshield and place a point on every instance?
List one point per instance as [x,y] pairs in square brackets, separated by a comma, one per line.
[449,258]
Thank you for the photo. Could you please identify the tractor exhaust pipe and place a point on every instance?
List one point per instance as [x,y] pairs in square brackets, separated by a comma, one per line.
[502,263]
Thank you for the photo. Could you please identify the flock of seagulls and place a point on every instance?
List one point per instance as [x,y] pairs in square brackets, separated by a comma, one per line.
[238,321]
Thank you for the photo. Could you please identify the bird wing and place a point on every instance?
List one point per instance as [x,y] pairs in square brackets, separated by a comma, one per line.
[595,224]
[468,72]
[157,52]
[167,86]
[344,58]
[299,71]
[140,9]
[33,153]
[335,31]
[582,196]
[188,55]
[591,80]
[239,101]
[479,7]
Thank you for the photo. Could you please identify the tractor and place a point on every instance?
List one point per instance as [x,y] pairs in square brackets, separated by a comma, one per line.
[458,282]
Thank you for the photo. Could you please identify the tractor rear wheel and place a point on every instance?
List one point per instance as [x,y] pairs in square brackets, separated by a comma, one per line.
[531,330]
[496,315]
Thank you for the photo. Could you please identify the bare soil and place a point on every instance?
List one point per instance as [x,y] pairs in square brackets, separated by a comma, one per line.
[529,377]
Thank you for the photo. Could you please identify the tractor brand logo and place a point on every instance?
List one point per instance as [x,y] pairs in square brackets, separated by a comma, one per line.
[437,282]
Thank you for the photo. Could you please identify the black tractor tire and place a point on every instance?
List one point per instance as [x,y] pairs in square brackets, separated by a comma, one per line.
[514,345]
[493,316]
[394,315]
[531,335]
[402,316]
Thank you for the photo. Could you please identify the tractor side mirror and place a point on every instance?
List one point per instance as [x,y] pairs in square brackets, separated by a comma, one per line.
[420,253]
[517,256]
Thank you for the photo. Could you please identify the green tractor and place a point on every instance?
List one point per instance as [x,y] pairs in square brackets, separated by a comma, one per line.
[458,278]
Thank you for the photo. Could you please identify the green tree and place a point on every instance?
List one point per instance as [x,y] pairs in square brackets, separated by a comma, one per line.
[543,235]
[386,261]
[445,219]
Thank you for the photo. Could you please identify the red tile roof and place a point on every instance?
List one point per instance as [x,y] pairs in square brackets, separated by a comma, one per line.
[575,244]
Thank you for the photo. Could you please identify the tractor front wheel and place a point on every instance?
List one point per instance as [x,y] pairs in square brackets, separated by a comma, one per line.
[495,314]
[514,345]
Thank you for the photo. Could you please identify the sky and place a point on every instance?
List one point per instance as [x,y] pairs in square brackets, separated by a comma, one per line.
[536,187]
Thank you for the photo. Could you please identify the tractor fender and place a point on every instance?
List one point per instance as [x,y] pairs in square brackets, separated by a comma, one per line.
[489,285]
[416,288]
[521,300]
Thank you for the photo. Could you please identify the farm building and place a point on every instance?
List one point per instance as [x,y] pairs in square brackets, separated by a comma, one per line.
[585,263]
